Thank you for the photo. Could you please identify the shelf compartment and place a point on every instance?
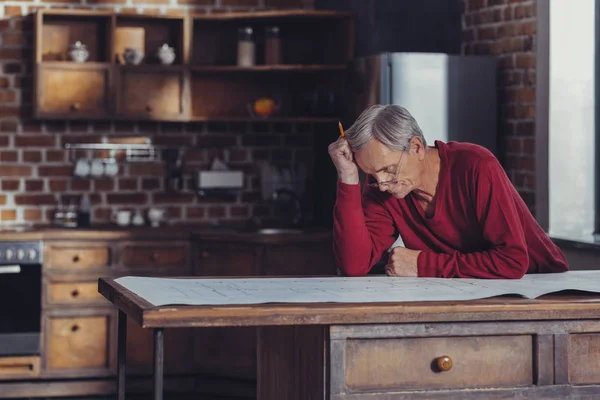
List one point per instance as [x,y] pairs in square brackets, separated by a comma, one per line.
[148,33]
[57,31]
[77,90]
[306,38]
[221,96]
[151,93]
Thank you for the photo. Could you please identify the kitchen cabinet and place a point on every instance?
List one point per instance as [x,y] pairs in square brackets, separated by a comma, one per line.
[205,81]
[232,352]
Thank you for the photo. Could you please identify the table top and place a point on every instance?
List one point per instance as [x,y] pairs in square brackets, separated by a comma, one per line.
[503,308]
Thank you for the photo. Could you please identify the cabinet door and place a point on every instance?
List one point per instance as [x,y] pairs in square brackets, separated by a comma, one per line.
[151,94]
[226,352]
[80,342]
[299,259]
[73,93]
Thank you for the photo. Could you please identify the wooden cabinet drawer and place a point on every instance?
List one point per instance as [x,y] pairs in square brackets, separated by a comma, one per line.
[150,94]
[156,254]
[19,367]
[78,257]
[75,93]
[584,358]
[80,345]
[412,363]
[72,293]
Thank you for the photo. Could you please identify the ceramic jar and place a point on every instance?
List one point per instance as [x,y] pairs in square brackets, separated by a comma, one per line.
[166,54]
[133,56]
[78,52]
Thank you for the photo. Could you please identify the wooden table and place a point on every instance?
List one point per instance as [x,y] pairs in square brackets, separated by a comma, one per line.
[499,348]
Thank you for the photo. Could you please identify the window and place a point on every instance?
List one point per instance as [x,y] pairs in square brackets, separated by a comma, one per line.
[567,155]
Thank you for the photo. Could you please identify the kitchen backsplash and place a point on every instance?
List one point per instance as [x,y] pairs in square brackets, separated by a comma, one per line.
[35,170]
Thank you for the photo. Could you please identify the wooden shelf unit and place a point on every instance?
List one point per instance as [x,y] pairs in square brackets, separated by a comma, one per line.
[204,83]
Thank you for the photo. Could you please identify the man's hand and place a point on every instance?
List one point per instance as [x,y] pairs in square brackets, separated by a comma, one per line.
[402,262]
[342,158]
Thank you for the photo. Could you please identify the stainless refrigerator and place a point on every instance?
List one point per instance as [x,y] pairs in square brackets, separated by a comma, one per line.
[452,97]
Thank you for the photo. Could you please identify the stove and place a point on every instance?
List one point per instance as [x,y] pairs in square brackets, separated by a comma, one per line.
[20,288]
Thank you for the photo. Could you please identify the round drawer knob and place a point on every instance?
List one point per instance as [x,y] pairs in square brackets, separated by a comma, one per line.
[76,258]
[444,363]
[205,254]
[75,293]
[74,328]
[148,108]
[75,107]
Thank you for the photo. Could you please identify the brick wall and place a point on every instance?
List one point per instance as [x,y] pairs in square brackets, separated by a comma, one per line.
[507,29]
[35,170]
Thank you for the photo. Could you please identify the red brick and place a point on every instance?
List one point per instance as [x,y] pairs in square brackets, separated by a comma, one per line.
[35,141]
[15,170]
[55,156]
[104,185]
[150,183]
[78,139]
[13,68]
[526,94]
[239,211]
[195,212]
[2,199]
[284,3]
[126,198]
[10,111]
[484,17]
[237,155]
[34,199]
[486,33]
[106,1]
[32,156]
[56,185]
[529,146]
[11,54]
[179,198]
[216,211]
[32,214]
[161,2]
[13,39]
[8,215]
[59,170]
[174,140]
[12,11]
[4,83]
[10,185]
[525,60]
[9,156]
[80,185]
[146,169]
[475,4]
[127,184]
[527,28]
[34,185]
[196,2]
[216,140]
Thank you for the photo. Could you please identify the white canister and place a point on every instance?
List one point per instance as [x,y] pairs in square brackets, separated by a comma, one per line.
[246,48]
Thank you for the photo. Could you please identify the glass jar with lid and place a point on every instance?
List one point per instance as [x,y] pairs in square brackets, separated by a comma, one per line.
[246,47]
[272,45]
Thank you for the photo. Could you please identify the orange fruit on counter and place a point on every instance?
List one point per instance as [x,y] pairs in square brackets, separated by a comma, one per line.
[264,107]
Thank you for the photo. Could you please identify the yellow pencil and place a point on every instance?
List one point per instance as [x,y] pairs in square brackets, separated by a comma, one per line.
[341,129]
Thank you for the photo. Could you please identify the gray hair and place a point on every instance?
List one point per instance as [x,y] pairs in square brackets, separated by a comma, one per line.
[391,124]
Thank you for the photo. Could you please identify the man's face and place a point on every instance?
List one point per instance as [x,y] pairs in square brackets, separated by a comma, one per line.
[396,172]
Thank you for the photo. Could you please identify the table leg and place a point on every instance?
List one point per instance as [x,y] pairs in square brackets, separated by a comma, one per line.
[121,354]
[159,358]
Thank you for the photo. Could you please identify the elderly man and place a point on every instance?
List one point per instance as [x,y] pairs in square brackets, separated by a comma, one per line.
[452,205]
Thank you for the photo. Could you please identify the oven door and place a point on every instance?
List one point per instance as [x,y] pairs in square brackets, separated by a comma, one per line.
[20,309]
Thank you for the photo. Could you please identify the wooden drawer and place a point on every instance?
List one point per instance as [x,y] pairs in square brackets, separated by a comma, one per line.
[155,254]
[412,363]
[79,345]
[19,367]
[584,358]
[76,93]
[77,257]
[74,293]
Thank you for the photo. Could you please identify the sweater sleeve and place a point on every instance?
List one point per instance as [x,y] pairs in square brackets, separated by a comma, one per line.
[501,225]
[362,230]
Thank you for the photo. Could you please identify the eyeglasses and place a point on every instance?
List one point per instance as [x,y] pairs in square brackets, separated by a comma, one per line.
[391,181]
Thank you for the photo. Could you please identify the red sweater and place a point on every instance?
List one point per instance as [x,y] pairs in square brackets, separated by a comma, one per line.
[481,228]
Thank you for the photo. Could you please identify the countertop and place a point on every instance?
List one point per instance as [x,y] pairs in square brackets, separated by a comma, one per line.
[171,232]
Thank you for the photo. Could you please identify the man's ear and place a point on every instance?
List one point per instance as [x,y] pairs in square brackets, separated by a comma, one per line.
[417,147]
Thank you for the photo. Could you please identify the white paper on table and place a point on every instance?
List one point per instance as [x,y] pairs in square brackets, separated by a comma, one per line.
[369,289]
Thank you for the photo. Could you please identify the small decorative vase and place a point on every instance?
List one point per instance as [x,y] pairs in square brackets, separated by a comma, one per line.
[78,52]
[166,54]
[132,56]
